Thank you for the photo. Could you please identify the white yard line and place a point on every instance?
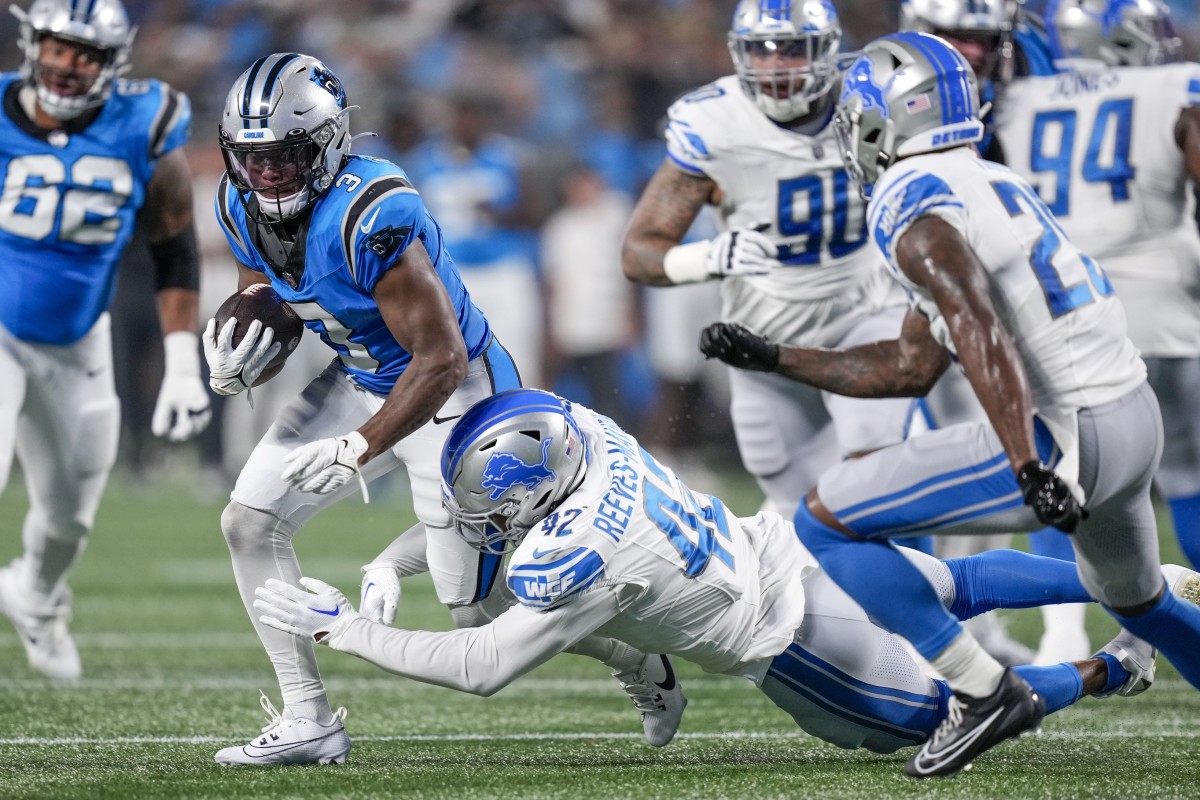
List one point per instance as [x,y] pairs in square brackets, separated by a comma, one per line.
[113,741]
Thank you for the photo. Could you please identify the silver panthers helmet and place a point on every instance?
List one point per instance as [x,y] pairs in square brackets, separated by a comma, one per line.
[1115,32]
[284,133]
[766,31]
[905,94]
[98,24]
[989,23]
[507,464]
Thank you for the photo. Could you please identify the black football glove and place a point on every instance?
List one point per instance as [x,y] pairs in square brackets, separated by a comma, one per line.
[739,347]
[1051,499]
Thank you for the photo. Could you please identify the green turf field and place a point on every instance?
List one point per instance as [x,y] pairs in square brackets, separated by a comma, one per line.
[172,673]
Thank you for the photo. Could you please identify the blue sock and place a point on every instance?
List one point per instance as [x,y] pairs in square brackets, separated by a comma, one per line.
[1052,543]
[885,583]
[1185,513]
[1173,626]
[1012,579]
[1117,674]
[1060,685]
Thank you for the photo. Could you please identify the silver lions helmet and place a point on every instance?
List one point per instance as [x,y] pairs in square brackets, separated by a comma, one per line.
[982,30]
[507,464]
[905,94]
[284,134]
[1115,32]
[101,25]
[785,53]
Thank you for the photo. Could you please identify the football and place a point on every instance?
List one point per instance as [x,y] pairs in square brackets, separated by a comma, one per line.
[262,302]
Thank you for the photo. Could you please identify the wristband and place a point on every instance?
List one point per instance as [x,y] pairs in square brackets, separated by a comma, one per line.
[688,263]
[181,353]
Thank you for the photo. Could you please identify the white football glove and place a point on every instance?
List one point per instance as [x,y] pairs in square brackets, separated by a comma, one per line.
[380,592]
[235,369]
[326,465]
[181,411]
[744,251]
[315,615]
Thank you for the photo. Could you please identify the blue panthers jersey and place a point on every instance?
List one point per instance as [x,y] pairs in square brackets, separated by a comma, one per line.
[69,202]
[355,233]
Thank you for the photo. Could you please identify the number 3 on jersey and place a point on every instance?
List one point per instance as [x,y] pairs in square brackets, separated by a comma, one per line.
[1106,159]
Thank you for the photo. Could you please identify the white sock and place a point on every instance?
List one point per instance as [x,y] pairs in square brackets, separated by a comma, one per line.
[968,668]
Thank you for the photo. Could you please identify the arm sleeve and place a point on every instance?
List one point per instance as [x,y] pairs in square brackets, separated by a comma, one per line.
[480,660]
[906,201]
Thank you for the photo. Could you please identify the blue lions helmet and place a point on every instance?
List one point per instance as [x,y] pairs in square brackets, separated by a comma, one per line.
[905,94]
[509,462]
[980,29]
[1115,32]
[785,53]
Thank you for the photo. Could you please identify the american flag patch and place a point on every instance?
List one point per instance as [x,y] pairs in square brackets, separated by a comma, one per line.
[917,104]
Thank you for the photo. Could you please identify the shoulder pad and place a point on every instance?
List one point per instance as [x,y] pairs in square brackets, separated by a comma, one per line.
[546,576]
[697,123]
[359,226]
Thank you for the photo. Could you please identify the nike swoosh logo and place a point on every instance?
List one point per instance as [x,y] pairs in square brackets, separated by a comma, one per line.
[543,553]
[928,760]
[370,223]
[669,683]
[439,420]
[333,613]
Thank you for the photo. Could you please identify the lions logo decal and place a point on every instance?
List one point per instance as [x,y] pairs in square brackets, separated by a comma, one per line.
[503,471]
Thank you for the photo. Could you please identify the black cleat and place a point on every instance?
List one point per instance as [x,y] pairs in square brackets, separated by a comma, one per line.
[978,724]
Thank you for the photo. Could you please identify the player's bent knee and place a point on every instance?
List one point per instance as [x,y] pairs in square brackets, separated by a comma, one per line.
[246,528]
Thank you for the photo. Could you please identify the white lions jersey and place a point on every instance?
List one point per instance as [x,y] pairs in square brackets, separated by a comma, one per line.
[797,184]
[715,589]
[632,554]
[1099,147]
[1055,301]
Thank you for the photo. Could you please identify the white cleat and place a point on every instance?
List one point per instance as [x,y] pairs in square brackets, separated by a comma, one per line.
[291,741]
[42,627]
[1137,657]
[655,691]
[1184,583]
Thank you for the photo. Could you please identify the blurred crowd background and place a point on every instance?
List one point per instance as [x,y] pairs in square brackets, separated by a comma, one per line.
[529,126]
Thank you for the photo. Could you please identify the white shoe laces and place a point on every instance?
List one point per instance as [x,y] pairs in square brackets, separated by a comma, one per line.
[954,712]
[645,697]
[278,722]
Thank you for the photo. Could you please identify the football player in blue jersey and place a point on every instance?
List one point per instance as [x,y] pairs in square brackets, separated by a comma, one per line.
[1075,433]
[82,151]
[601,535]
[348,243]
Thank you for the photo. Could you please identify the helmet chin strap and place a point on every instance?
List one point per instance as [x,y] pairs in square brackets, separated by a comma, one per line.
[282,207]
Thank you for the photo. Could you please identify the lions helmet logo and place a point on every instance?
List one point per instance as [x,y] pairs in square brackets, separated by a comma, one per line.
[503,471]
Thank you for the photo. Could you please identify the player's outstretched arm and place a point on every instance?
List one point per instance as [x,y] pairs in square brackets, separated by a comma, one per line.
[182,409]
[479,660]
[668,206]
[904,367]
